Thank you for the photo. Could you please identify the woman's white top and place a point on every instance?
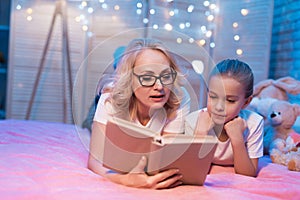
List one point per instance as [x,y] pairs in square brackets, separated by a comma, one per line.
[158,121]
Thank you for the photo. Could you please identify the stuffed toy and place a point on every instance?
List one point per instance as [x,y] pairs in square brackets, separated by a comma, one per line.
[278,89]
[280,117]
[286,152]
[271,100]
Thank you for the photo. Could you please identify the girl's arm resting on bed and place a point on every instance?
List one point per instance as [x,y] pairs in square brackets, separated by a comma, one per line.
[137,177]
[243,164]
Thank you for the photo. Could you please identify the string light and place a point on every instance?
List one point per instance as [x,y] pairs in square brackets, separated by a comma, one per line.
[206,30]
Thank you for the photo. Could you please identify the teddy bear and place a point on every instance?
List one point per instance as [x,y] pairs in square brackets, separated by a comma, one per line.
[271,100]
[280,117]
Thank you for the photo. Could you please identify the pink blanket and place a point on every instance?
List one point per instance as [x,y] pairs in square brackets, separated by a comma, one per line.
[41,160]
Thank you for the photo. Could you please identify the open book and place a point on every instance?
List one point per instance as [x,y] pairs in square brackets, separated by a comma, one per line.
[126,142]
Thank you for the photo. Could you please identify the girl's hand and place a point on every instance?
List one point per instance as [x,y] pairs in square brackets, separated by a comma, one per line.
[235,129]
[139,179]
[204,123]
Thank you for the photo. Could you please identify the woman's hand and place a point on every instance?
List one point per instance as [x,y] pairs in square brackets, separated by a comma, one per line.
[204,123]
[139,179]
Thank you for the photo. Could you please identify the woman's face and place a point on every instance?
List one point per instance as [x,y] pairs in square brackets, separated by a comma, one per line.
[153,63]
[226,97]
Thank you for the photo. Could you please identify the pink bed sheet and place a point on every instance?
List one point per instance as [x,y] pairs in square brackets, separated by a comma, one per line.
[41,160]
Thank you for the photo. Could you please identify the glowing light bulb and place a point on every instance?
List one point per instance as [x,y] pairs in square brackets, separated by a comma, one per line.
[29,11]
[168,27]
[179,40]
[117,7]
[202,42]
[191,40]
[29,18]
[181,25]
[85,28]
[239,52]
[244,12]
[236,37]
[152,11]
[210,18]
[190,8]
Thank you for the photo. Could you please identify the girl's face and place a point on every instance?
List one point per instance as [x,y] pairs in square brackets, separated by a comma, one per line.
[153,63]
[226,97]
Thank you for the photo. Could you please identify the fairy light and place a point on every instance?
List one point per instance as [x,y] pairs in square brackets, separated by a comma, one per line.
[212,6]
[155,26]
[77,19]
[29,18]
[210,18]
[18,7]
[138,11]
[190,8]
[236,37]
[139,5]
[104,6]
[171,13]
[83,4]
[145,20]
[244,12]
[168,27]
[29,11]
[206,3]
[85,28]
[152,11]
[179,40]
[90,10]
[116,7]
[239,52]
[208,34]
[235,24]
[202,42]
[181,25]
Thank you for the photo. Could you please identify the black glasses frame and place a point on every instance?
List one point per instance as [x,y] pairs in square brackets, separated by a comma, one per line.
[173,73]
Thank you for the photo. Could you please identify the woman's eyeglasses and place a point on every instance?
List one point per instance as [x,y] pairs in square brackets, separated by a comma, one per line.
[150,80]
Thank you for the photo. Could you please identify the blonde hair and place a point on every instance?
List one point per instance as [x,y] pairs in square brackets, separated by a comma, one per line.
[122,98]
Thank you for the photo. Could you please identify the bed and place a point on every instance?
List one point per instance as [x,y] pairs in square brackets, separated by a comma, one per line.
[42,160]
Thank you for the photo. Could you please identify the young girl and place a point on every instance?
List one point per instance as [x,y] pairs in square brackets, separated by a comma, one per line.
[239,131]
[147,90]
